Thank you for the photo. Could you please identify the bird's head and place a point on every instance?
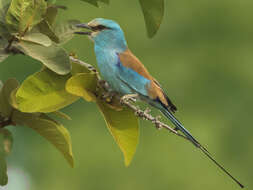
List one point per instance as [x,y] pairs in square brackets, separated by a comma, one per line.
[105,33]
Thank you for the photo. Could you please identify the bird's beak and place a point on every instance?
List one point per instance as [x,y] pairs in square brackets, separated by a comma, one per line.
[83,25]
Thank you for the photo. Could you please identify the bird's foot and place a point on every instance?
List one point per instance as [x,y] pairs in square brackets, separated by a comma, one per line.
[129,97]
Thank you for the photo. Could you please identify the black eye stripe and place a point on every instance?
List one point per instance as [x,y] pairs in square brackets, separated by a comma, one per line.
[99,27]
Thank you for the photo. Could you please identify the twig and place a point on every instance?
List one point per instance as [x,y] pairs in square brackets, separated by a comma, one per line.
[79,62]
[140,113]
[155,120]
[7,49]
[12,49]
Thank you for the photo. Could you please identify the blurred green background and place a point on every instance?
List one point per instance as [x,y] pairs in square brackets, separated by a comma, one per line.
[203,57]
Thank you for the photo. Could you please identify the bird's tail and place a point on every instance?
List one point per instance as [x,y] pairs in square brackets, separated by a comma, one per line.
[188,135]
[180,127]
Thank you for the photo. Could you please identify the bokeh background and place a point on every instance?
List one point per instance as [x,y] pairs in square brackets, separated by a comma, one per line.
[203,57]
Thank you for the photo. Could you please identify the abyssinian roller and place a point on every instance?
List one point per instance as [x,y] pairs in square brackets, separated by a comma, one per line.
[127,76]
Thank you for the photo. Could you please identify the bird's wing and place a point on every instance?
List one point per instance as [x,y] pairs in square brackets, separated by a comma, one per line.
[133,73]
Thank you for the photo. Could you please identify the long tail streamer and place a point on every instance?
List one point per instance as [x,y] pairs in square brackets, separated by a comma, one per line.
[180,127]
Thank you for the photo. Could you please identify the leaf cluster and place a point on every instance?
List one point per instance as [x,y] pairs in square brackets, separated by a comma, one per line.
[28,27]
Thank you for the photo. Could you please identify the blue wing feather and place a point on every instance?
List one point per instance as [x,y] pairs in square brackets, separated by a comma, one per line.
[132,79]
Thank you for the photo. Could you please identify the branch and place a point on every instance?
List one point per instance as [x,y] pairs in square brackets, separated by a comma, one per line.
[140,113]
[79,62]
[155,120]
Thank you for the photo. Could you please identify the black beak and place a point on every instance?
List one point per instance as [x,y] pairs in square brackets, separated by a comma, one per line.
[83,25]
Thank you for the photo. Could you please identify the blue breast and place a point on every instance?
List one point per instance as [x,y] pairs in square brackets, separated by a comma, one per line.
[107,61]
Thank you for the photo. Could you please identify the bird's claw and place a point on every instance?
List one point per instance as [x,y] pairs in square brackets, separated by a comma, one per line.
[129,97]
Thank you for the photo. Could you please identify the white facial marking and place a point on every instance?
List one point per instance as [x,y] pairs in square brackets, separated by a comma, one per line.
[94,34]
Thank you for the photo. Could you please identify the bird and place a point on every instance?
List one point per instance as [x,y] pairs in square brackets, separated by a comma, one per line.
[126,75]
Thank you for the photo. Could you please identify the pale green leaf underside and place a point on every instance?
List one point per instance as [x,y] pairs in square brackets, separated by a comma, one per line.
[37,38]
[124,127]
[44,92]
[53,57]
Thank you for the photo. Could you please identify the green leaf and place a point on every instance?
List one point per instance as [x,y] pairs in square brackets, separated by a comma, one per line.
[12,98]
[54,132]
[95,2]
[6,141]
[62,115]
[4,33]
[4,4]
[22,15]
[153,11]
[51,14]
[44,92]
[5,94]
[66,29]
[45,28]
[60,33]
[83,85]
[37,38]
[3,53]
[124,127]
[53,57]
[77,68]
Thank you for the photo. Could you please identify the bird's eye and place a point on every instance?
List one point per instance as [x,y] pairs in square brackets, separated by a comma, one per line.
[99,27]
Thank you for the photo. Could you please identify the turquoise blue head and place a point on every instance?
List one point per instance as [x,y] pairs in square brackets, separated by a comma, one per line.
[105,33]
